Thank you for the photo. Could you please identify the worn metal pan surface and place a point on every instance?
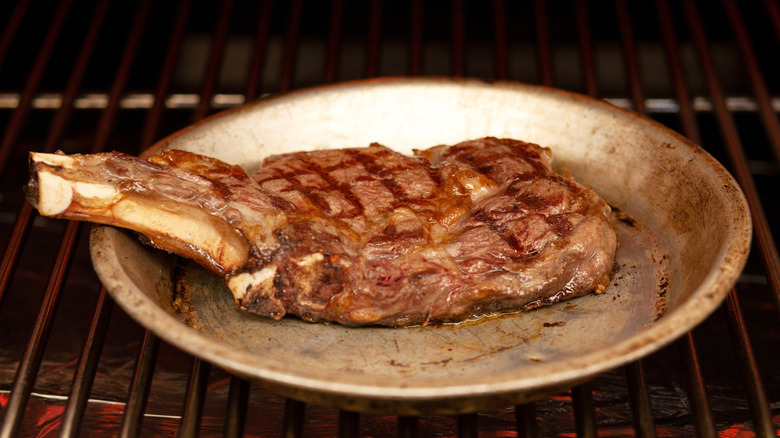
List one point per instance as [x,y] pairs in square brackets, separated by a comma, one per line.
[684,237]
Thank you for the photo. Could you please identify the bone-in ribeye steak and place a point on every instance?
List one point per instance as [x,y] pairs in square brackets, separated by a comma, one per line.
[356,236]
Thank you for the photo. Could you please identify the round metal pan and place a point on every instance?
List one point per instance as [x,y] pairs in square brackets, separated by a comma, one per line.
[684,236]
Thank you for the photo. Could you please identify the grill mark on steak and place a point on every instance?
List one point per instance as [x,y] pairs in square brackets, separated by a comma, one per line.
[499,160]
[559,223]
[315,183]
[281,203]
[501,230]
[388,175]
[334,191]
[368,163]
[356,236]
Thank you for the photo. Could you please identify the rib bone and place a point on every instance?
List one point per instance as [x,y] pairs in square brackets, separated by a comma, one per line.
[153,199]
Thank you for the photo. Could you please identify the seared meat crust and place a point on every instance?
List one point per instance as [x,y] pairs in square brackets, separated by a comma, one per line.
[367,235]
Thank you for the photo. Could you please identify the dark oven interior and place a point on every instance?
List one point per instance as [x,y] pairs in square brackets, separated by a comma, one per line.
[85,76]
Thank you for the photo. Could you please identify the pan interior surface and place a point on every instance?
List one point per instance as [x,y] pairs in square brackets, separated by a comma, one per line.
[684,237]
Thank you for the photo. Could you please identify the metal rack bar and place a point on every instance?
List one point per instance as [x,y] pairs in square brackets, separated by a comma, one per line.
[215,59]
[408,427]
[237,405]
[291,45]
[140,384]
[25,215]
[33,354]
[19,116]
[694,382]
[759,406]
[467,426]
[334,42]
[294,412]
[87,366]
[120,80]
[773,9]
[258,54]
[584,415]
[500,52]
[753,384]
[416,38]
[14,248]
[349,424]
[735,151]
[154,116]
[76,78]
[544,52]
[525,420]
[586,48]
[196,395]
[134,409]
[695,388]
[458,38]
[142,100]
[640,399]
[9,31]
[677,76]
[30,363]
[630,56]
[91,352]
[757,80]
[374,39]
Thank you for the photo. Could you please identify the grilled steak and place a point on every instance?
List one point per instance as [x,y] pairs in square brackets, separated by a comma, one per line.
[356,236]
